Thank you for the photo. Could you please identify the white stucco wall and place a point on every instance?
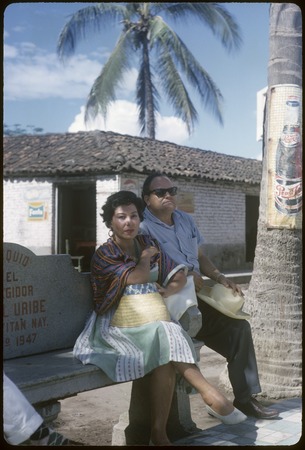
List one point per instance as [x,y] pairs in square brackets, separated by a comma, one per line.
[220,214]
[105,186]
[219,210]
[28,215]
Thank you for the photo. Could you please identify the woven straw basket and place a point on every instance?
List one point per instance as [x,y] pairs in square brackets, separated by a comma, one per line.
[139,309]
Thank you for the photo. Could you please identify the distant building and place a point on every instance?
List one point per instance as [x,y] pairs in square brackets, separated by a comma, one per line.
[56,184]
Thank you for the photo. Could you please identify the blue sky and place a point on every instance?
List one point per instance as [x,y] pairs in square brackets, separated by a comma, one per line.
[41,91]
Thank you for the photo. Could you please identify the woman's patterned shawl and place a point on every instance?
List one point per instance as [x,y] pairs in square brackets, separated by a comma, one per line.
[110,268]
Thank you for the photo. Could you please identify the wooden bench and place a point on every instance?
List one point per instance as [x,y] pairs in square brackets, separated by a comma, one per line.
[46,304]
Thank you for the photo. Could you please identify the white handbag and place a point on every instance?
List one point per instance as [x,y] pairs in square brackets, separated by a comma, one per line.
[178,303]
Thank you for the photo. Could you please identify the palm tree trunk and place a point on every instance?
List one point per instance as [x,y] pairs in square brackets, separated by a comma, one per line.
[150,114]
[274,297]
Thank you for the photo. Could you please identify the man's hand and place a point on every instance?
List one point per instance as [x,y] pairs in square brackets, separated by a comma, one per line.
[199,283]
[230,284]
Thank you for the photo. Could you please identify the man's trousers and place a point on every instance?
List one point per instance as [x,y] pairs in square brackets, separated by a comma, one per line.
[231,338]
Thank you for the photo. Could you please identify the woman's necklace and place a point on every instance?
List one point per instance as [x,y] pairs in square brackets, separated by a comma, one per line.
[135,253]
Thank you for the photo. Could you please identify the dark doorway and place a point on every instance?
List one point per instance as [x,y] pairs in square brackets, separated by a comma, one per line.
[252,207]
[77,223]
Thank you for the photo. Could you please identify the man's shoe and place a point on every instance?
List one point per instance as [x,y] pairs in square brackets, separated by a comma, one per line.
[47,436]
[254,408]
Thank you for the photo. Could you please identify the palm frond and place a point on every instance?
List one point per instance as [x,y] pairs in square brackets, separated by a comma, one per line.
[91,18]
[174,51]
[144,30]
[176,91]
[170,78]
[103,90]
[213,15]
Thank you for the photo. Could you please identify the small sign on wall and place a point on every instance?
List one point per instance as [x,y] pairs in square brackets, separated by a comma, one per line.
[130,184]
[37,211]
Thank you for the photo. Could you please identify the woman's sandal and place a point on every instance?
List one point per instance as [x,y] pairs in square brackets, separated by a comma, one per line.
[233,418]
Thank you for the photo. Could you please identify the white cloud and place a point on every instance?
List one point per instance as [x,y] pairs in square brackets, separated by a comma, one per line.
[9,51]
[171,129]
[123,118]
[32,73]
[259,156]
[19,29]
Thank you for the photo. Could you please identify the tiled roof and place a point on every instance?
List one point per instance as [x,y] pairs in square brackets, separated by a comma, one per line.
[99,152]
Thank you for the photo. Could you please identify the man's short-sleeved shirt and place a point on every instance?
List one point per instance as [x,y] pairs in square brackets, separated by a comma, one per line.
[181,241]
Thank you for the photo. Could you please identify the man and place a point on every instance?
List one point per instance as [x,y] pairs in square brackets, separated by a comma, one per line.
[179,236]
[22,425]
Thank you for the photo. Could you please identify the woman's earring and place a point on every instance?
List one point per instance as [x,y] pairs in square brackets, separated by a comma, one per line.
[110,233]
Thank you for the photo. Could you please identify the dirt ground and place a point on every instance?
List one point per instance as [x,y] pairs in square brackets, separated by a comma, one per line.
[88,418]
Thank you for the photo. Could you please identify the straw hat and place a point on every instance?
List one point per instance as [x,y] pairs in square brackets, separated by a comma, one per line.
[223,299]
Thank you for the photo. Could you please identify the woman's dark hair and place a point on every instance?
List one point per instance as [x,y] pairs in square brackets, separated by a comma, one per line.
[118,199]
[147,183]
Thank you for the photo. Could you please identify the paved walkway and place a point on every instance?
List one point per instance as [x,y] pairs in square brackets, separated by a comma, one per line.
[285,430]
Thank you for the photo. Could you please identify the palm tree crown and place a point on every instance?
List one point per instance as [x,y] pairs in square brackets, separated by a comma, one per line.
[148,37]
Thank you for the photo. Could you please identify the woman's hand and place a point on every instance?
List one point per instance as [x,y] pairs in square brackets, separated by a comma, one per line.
[175,284]
[198,280]
[141,271]
[161,290]
[149,252]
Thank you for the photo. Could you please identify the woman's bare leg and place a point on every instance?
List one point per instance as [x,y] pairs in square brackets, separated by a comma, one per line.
[163,381]
[210,395]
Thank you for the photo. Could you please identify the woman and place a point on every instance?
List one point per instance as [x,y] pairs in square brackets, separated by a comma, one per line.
[127,347]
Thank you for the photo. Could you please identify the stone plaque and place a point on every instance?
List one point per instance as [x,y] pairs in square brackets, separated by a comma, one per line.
[46,302]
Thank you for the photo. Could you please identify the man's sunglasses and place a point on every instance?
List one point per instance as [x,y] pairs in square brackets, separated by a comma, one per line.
[161,192]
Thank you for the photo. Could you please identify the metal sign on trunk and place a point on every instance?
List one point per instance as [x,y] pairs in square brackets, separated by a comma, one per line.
[284,153]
